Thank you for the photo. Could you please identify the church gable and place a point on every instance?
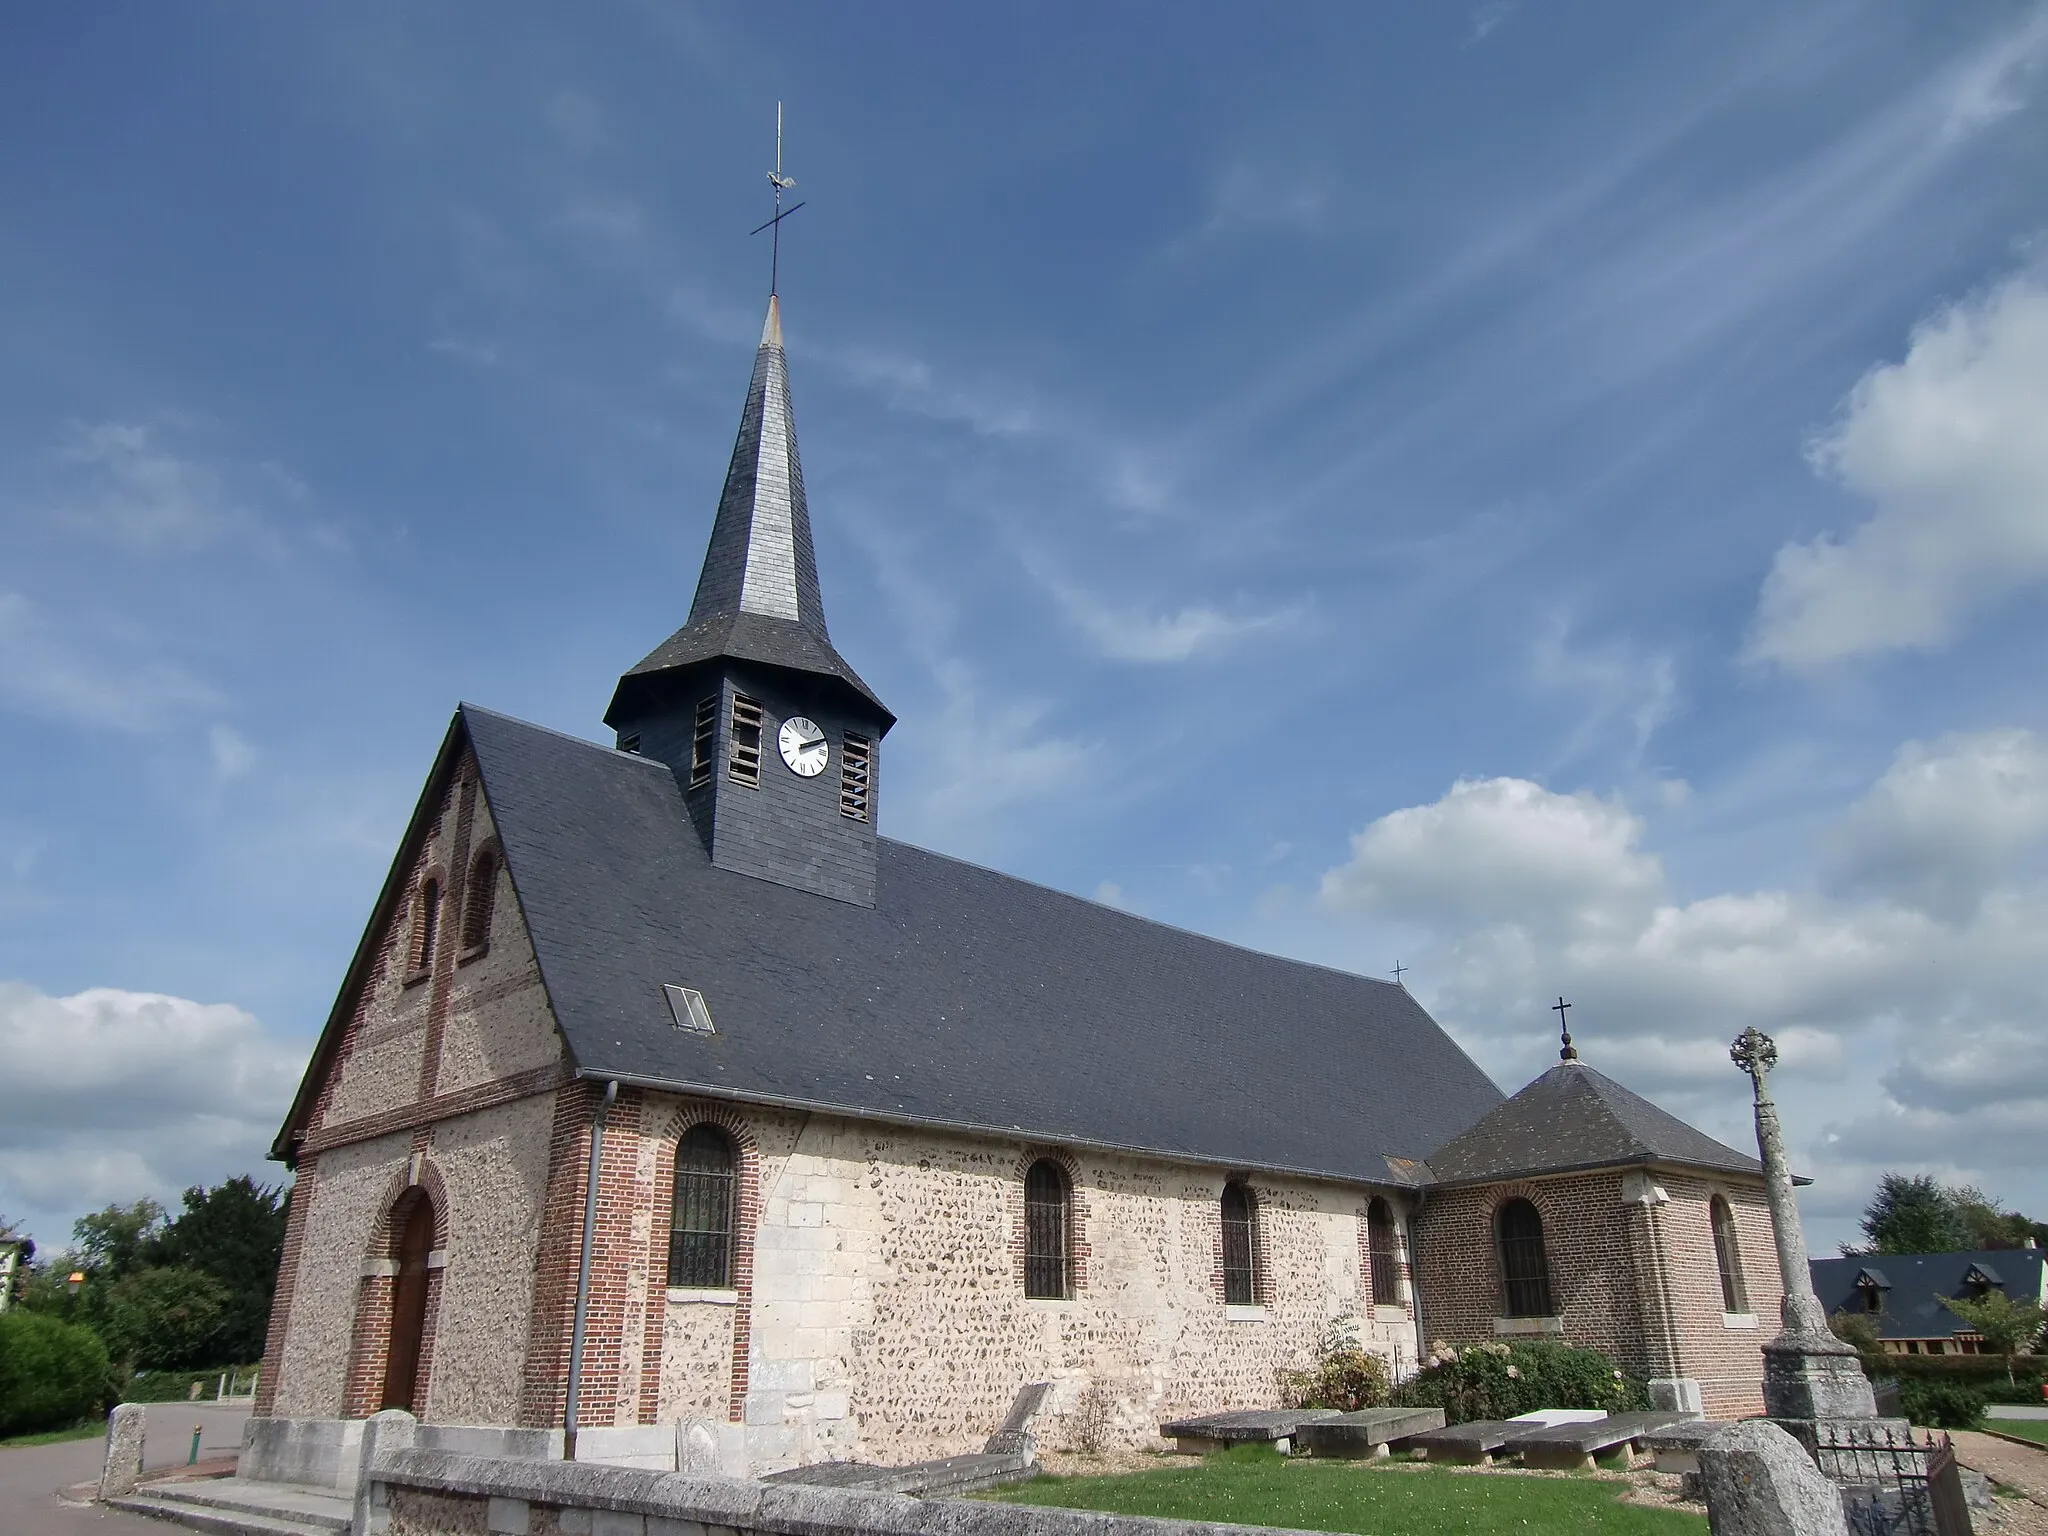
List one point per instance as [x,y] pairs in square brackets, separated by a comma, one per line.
[445,1000]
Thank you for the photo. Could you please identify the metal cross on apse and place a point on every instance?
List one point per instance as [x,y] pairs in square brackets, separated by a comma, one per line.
[1564,1030]
[1399,968]
[782,184]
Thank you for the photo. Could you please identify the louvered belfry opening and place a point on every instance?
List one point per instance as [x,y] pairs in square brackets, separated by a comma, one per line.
[1240,1250]
[1729,1256]
[1048,1221]
[700,1235]
[1384,1247]
[1525,1275]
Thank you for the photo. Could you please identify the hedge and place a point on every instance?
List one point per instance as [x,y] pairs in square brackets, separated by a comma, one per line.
[52,1374]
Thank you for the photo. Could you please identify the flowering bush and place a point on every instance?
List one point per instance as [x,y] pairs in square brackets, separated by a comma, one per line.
[1498,1381]
[1345,1376]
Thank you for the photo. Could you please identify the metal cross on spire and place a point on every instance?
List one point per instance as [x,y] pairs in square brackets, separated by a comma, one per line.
[782,184]
[1564,1030]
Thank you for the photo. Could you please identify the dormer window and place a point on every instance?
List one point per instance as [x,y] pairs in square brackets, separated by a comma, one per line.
[1871,1290]
[1980,1280]
[856,758]
[743,761]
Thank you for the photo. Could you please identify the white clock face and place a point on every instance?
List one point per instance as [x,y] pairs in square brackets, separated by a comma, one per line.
[803,747]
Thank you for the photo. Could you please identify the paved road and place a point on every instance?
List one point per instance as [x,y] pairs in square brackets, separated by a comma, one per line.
[31,1475]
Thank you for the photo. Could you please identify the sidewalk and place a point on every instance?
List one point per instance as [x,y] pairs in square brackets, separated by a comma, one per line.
[2016,1466]
[31,1475]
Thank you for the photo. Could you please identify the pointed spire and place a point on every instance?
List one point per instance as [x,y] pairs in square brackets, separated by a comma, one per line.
[760,560]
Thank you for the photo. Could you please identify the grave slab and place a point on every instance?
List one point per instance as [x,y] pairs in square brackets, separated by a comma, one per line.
[1573,1447]
[1369,1432]
[1677,1446]
[1473,1444]
[1250,1426]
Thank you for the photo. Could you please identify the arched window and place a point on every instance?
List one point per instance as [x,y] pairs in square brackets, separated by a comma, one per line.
[1525,1276]
[1240,1247]
[1729,1256]
[700,1234]
[1048,1225]
[1383,1245]
[426,925]
[476,901]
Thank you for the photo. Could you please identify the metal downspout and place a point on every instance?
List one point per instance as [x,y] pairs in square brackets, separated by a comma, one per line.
[611,1092]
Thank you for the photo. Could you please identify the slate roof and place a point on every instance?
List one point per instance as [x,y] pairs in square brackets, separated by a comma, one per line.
[1915,1283]
[757,595]
[963,998]
[1574,1117]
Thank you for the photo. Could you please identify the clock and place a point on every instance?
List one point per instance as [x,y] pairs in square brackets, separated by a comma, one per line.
[803,747]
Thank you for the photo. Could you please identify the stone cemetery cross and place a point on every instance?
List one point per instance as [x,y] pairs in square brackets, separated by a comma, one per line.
[1808,1372]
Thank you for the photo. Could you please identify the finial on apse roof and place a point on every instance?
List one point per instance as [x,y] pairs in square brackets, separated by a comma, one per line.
[1566,1053]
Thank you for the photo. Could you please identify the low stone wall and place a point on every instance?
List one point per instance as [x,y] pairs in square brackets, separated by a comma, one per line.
[327,1453]
[436,1493]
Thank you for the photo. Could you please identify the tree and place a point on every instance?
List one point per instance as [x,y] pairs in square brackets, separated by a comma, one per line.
[1914,1215]
[117,1241]
[2008,1326]
[1988,1226]
[234,1234]
[164,1319]
[1858,1329]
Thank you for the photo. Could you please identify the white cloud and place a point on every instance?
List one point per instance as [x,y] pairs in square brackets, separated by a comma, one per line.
[1948,823]
[1185,633]
[100,681]
[1905,996]
[1496,850]
[1627,693]
[233,756]
[111,1095]
[126,487]
[1490,17]
[1949,445]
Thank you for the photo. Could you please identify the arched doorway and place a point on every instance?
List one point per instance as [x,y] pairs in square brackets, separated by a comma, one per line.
[409,1309]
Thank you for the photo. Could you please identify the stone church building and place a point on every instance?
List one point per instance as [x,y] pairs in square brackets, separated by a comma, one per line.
[832,1143]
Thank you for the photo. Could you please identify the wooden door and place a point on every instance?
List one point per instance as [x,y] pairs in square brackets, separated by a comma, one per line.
[409,1310]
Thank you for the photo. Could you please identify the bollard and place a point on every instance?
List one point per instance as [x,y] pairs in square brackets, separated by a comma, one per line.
[193,1459]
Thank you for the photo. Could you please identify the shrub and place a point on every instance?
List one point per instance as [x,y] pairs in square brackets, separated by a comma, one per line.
[1346,1376]
[1498,1381]
[51,1373]
[176,1386]
[1941,1404]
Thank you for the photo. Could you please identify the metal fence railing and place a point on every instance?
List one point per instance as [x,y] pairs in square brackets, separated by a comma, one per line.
[1894,1482]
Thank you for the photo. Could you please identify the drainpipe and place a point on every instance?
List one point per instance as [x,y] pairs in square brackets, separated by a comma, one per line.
[1415,1274]
[611,1092]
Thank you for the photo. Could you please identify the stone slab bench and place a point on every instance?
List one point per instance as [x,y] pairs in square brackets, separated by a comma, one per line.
[1368,1432]
[1473,1444]
[1571,1447]
[1251,1426]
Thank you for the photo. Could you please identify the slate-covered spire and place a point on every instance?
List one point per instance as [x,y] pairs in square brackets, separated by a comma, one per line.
[760,560]
[757,596]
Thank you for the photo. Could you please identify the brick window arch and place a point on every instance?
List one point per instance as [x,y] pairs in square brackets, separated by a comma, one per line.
[1240,1246]
[478,899]
[1727,1256]
[426,925]
[700,1234]
[1048,1232]
[1383,1246]
[1524,1268]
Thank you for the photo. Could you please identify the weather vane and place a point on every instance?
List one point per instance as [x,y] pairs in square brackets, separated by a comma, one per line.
[782,184]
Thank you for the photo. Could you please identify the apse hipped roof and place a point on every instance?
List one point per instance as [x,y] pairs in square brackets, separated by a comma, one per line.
[1574,1117]
[963,998]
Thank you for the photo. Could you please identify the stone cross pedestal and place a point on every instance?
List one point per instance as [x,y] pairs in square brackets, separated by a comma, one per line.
[1808,1372]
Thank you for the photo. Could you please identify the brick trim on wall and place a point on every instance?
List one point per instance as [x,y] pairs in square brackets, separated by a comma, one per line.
[303,1185]
[543,1392]
[370,1335]
[746,1219]
[1262,1279]
[1078,1250]
[522,1085]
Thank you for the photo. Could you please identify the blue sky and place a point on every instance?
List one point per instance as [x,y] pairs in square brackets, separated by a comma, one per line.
[1551,495]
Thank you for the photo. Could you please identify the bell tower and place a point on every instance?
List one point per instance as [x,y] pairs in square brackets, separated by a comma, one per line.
[774,740]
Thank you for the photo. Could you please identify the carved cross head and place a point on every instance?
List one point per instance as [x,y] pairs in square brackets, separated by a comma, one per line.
[1755,1052]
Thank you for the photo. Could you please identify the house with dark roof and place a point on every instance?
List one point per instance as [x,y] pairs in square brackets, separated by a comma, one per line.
[1902,1294]
[666,1103]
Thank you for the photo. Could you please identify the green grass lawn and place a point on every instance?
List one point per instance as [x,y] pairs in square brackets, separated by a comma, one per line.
[1260,1488]
[2024,1429]
[90,1429]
